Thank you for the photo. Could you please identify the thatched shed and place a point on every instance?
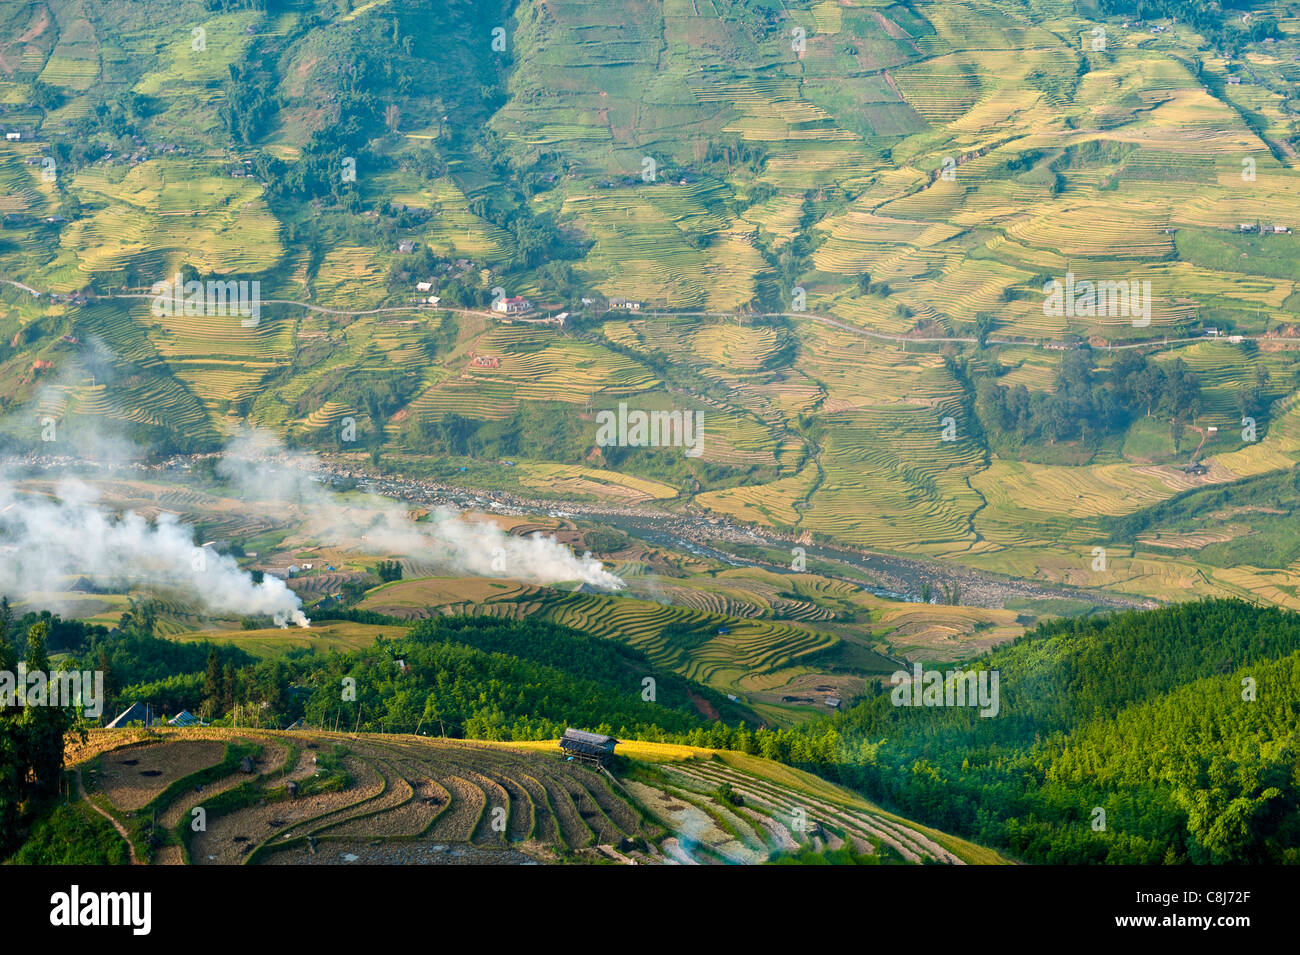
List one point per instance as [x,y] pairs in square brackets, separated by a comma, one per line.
[588,747]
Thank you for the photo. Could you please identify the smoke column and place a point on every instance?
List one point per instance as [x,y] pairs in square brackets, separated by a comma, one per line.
[46,540]
[43,540]
[263,469]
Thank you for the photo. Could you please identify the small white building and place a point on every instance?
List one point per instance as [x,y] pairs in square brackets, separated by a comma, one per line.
[423,286]
[512,306]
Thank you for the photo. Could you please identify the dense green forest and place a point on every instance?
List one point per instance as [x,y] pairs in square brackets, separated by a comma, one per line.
[465,677]
[1182,724]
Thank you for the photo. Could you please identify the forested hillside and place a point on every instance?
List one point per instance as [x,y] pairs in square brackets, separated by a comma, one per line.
[1182,724]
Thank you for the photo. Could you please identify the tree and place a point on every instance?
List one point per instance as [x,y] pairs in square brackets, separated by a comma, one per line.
[43,727]
[12,763]
[212,684]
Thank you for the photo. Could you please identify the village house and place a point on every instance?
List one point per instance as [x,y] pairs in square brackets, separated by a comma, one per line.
[135,713]
[512,306]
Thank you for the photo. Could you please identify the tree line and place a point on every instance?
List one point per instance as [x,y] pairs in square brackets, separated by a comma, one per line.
[31,737]
[1089,404]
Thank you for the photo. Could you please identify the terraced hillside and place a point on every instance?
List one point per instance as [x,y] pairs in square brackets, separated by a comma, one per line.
[728,653]
[370,799]
[819,225]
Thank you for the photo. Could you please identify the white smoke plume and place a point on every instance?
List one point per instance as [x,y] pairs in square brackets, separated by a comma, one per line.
[45,540]
[263,469]
[48,541]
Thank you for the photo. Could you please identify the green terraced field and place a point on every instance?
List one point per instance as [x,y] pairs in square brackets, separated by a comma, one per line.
[793,219]
[750,655]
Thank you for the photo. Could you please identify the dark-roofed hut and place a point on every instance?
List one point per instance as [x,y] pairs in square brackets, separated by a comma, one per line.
[135,713]
[587,747]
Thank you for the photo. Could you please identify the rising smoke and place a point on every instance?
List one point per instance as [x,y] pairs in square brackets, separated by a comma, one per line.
[45,540]
[263,469]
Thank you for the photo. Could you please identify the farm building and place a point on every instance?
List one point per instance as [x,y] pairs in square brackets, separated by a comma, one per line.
[588,747]
[512,306]
[135,713]
[185,718]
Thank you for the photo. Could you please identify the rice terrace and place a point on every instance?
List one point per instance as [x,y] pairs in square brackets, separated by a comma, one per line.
[651,432]
[334,799]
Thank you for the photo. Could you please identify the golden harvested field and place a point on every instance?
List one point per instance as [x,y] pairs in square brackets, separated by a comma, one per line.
[407,798]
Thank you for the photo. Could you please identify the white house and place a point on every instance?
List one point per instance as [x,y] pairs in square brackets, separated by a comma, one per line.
[423,286]
[512,306]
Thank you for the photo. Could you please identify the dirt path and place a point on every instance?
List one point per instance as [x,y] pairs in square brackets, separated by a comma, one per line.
[1156,344]
[121,830]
